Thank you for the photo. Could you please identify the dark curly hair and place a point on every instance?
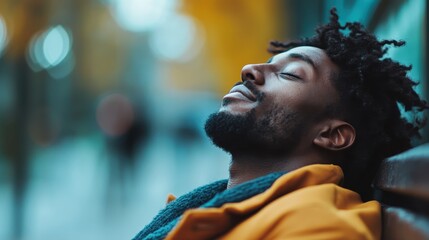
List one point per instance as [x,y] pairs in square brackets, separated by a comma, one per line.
[371,88]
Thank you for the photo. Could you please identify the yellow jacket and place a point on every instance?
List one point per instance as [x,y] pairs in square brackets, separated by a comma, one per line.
[303,204]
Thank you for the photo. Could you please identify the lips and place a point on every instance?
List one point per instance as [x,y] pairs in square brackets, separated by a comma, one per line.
[241,92]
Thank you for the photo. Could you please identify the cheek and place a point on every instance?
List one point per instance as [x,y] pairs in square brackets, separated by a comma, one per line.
[290,96]
[307,102]
[282,100]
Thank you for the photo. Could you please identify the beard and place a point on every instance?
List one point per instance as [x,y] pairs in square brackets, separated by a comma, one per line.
[275,133]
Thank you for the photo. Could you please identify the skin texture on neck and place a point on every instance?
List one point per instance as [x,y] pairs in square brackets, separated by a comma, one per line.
[245,167]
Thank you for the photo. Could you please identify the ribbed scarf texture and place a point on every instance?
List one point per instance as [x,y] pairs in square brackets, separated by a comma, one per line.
[209,196]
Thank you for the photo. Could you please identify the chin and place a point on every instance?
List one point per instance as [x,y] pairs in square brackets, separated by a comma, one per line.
[226,129]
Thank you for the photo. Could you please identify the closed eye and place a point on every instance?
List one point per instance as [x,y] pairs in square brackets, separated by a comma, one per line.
[290,76]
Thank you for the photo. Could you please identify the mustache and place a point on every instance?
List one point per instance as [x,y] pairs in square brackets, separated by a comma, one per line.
[251,86]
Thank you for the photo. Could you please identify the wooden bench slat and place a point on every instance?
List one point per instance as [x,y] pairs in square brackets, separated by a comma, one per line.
[406,173]
[400,224]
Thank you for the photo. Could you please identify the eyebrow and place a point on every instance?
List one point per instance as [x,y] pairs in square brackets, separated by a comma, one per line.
[304,58]
[299,56]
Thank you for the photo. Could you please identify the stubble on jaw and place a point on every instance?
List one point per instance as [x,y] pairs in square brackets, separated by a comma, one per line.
[277,132]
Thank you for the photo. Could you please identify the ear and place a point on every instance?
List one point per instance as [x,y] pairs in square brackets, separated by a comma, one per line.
[335,135]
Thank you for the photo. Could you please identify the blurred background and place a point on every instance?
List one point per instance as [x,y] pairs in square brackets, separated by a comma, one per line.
[103,102]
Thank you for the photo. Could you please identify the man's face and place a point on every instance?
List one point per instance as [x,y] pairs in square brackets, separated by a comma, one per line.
[277,103]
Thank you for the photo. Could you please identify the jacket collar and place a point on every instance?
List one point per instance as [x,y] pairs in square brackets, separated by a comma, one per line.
[227,216]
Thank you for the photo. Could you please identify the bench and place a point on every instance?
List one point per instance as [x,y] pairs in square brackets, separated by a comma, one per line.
[402,187]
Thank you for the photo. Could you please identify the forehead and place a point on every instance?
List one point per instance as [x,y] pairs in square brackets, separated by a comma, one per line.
[313,54]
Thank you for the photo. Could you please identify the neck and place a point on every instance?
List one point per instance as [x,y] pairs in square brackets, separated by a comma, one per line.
[245,167]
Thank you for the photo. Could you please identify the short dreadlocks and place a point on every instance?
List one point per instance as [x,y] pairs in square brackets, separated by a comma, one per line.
[370,87]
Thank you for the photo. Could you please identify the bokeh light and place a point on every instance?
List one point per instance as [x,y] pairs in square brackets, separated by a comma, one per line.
[141,15]
[56,45]
[178,39]
[49,48]
[3,34]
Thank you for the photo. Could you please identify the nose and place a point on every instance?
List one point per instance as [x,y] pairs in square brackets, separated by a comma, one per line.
[252,72]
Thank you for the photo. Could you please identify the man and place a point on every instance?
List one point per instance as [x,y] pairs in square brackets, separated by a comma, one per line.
[322,108]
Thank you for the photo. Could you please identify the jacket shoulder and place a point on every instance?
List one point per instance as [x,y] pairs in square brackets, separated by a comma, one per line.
[324,211]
